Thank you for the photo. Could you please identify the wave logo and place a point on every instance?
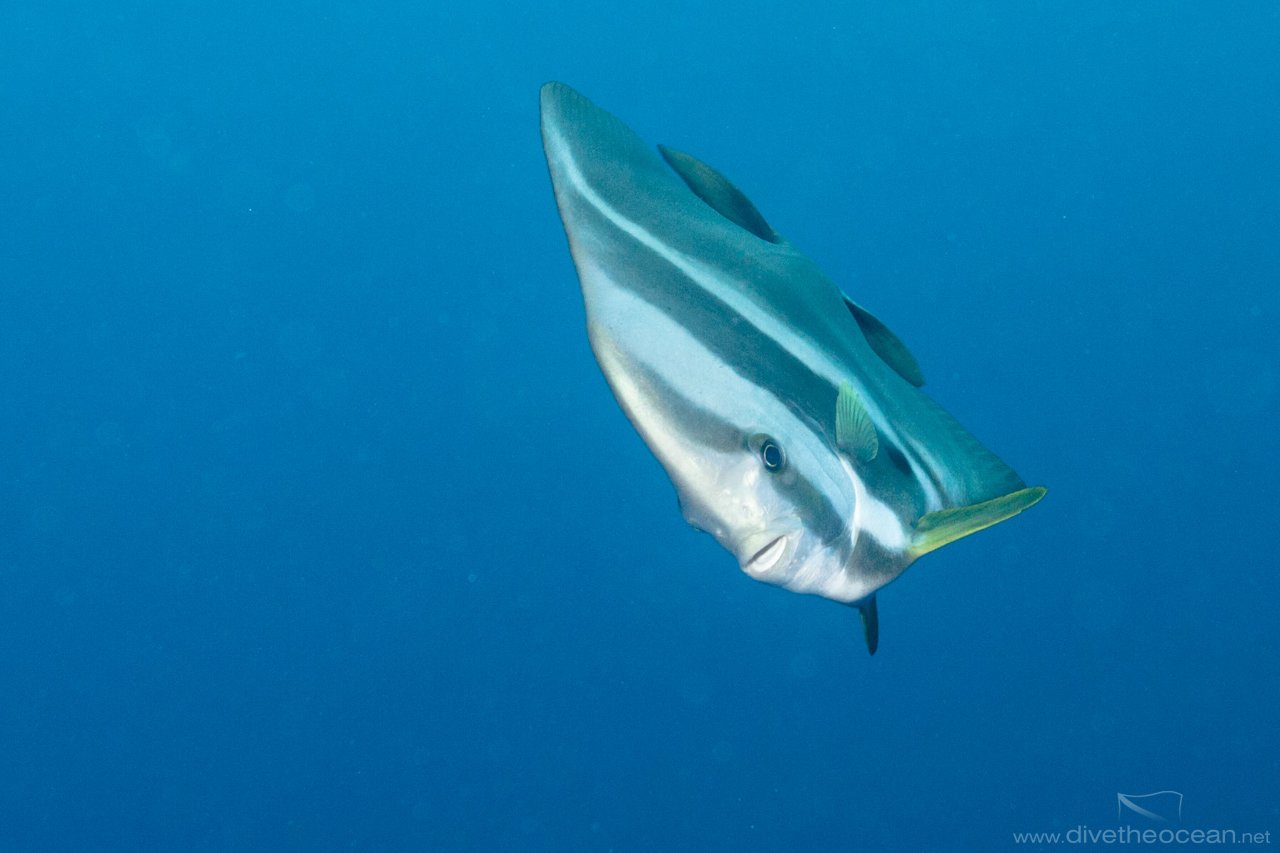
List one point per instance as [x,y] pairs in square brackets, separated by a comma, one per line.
[1162,806]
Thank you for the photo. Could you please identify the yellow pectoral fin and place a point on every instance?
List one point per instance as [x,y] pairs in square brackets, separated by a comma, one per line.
[945,526]
[855,432]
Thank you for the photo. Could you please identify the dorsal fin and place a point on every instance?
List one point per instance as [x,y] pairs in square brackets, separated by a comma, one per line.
[715,189]
[886,344]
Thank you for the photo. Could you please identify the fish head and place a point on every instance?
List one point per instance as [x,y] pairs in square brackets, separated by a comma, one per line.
[781,503]
[762,477]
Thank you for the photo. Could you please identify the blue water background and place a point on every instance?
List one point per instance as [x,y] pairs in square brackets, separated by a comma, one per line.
[319,528]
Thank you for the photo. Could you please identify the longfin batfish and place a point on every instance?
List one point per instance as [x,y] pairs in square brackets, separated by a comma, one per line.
[788,417]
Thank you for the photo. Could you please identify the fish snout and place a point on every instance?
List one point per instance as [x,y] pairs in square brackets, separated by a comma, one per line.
[766,555]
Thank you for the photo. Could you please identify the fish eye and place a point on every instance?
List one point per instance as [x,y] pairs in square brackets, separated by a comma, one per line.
[771,455]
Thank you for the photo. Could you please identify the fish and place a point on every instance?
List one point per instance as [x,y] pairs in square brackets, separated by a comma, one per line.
[788,417]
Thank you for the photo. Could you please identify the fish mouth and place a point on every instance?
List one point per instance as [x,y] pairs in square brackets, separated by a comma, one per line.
[766,557]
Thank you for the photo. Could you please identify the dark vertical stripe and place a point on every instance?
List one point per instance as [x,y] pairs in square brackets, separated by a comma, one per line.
[753,355]
[706,428]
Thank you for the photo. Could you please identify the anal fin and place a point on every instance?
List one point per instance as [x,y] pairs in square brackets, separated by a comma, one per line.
[886,344]
[715,189]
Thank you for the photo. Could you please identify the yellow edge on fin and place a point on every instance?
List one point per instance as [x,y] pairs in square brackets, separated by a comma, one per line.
[945,526]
